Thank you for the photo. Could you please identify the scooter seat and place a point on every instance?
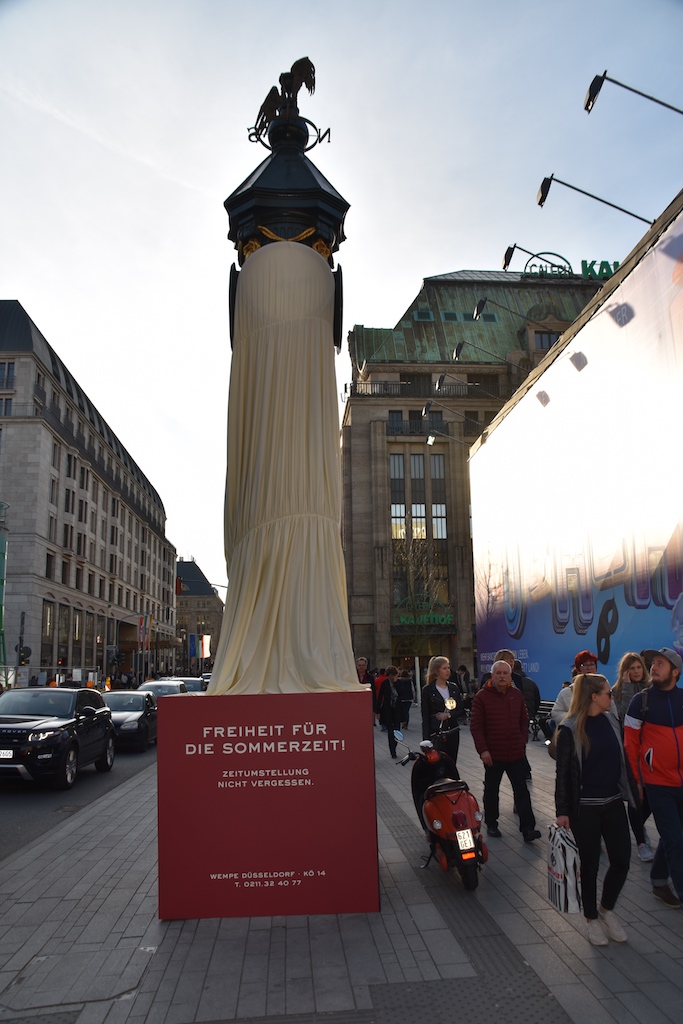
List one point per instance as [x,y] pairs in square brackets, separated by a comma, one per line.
[446,786]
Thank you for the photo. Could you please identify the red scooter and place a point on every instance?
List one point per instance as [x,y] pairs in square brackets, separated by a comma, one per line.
[448,812]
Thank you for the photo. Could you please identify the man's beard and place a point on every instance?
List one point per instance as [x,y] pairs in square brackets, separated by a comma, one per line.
[663,684]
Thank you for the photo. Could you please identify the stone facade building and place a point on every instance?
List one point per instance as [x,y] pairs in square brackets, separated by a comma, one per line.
[90,572]
[199,612]
[421,394]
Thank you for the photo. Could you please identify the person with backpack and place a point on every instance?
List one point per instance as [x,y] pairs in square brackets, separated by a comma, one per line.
[653,737]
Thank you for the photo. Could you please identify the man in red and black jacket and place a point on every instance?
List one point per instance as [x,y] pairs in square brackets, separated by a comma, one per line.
[499,724]
[653,738]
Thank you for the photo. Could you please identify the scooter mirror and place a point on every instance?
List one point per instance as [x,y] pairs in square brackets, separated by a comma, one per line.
[398,735]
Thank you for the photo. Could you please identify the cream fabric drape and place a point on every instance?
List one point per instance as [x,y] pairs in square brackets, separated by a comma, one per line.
[285,626]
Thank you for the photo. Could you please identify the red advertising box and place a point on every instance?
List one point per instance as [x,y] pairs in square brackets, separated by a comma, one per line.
[267,805]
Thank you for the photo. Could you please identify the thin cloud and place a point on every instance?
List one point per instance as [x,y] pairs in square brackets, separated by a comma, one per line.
[21,94]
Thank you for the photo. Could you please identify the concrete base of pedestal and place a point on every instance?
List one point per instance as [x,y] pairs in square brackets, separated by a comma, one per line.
[267,805]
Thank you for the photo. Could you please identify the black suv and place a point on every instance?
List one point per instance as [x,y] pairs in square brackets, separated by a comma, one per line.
[49,733]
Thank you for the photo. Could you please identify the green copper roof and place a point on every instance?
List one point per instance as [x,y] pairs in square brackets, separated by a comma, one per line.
[440,318]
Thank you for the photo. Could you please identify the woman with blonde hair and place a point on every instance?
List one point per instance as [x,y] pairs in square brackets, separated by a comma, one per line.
[590,790]
[632,677]
[439,723]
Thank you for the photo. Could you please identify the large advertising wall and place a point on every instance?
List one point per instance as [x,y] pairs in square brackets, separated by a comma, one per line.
[577,495]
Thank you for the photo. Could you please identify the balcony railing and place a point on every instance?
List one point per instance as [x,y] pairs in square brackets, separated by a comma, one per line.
[395,389]
[408,427]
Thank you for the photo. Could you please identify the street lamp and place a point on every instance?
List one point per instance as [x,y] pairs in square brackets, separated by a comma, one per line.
[457,352]
[510,251]
[479,309]
[427,406]
[547,182]
[596,86]
[433,432]
[431,439]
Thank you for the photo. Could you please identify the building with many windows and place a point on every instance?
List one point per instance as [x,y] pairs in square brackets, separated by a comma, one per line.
[421,394]
[90,571]
[199,612]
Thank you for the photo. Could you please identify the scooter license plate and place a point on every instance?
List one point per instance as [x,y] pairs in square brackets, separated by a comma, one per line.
[465,839]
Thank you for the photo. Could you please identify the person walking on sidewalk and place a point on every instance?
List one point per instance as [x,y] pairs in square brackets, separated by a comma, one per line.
[389,706]
[653,736]
[590,789]
[632,677]
[406,692]
[499,724]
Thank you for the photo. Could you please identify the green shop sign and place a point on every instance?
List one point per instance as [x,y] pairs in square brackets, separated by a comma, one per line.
[422,611]
[604,270]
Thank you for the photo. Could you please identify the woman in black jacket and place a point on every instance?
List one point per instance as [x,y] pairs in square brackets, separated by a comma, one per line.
[590,791]
[439,723]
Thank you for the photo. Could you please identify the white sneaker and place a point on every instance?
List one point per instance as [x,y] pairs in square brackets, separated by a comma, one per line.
[612,925]
[597,935]
[645,853]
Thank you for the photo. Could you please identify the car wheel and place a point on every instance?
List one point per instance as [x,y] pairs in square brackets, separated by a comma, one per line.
[104,764]
[144,740]
[66,776]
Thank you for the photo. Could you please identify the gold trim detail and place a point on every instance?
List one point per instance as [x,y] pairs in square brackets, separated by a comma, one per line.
[276,238]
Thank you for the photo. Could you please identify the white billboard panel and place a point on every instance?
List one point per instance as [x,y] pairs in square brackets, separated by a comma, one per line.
[577,494]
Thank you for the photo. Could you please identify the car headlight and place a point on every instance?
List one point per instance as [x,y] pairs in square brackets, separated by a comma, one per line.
[38,737]
[129,725]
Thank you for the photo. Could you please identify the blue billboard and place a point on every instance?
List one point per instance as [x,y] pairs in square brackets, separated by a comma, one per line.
[577,491]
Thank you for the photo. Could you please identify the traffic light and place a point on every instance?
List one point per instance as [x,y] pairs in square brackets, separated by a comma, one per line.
[24,655]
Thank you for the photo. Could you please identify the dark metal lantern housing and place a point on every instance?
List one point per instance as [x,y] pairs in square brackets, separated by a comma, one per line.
[286,199]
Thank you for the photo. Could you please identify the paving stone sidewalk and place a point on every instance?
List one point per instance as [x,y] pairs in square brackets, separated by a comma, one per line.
[80,942]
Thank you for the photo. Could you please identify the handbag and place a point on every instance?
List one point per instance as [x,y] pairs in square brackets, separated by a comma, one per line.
[564,870]
[551,744]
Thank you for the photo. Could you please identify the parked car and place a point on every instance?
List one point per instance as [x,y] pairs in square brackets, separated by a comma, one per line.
[134,714]
[163,689]
[48,734]
[193,684]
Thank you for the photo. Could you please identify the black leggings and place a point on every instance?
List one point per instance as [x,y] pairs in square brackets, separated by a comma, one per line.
[608,821]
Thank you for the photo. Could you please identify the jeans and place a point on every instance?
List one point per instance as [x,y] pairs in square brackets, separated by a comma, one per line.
[610,822]
[667,810]
[517,773]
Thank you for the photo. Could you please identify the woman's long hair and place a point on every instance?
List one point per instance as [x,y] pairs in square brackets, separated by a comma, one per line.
[625,664]
[433,668]
[582,698]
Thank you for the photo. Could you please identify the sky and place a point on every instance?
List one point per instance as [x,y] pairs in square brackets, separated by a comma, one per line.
[124,128]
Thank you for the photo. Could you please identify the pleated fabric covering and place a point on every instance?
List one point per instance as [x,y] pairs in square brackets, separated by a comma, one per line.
[285,626]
